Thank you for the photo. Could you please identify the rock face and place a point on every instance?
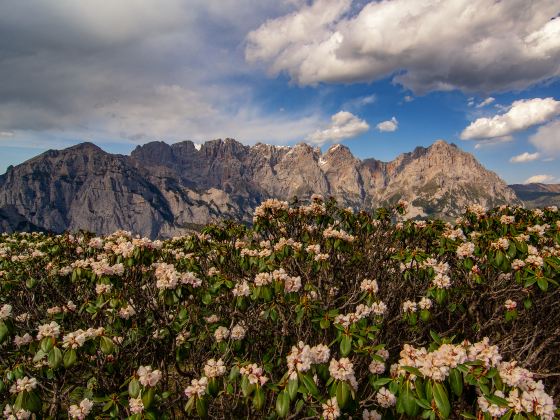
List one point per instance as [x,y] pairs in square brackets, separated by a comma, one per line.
[538,195]
[162,189]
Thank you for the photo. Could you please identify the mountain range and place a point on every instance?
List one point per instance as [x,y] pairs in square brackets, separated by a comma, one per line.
[161,190]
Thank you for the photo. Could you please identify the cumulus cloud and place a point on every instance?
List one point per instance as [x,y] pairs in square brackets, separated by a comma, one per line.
[547,139]
[343,125]
[389,125]
[510,45]
[521,115]
[524,157]
[539,179]
[134,71]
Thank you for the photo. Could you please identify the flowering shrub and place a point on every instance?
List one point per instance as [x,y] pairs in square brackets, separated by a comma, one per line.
[314,311]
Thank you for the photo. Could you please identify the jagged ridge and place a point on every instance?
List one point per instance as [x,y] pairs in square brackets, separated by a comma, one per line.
[160,189]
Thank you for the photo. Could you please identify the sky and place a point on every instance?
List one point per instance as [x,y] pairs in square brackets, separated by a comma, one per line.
[381,77]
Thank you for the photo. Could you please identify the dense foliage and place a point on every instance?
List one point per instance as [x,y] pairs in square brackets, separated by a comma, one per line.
[313,311]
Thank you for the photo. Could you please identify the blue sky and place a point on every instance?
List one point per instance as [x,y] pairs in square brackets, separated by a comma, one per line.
[380,77]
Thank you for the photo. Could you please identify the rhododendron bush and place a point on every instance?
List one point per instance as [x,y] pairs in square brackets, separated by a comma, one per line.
[313,311]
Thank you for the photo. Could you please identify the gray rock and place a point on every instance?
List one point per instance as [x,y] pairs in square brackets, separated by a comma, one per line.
[162,190]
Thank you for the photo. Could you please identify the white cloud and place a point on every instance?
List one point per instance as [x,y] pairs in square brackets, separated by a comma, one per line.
[522,114]
[6,133]
[343,125]
[389,125]
[539,179]
[485,102]
[135,71]
[524,157]
[510,45]
[408,98]
[547,139]
[360,101]
[493,142]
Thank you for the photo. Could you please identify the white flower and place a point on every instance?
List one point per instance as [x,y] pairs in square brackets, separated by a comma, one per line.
[409,307]
[5,312]
[330,409]
[214,368]
[136,405]
[385,398]
[18,415]
[24,317]
[24,384]
[292,284]
[74,339]
[319,354]
[510,305]
[376,368]
[80,411]
[492,409]
[371,415]
[147,376]
[343,370]
[221,334]
[241,289]
[465,250]
[238,332]
[254,373]
[48,330]
[127,312]
[442,281]
[262,279]
[197,387]
[21,341]
[369,286]
[425,303]
[101,288]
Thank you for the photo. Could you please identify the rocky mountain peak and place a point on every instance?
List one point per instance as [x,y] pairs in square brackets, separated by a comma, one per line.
[161,189]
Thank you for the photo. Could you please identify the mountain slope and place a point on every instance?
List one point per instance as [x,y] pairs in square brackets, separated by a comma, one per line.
[538,195]
[161,189]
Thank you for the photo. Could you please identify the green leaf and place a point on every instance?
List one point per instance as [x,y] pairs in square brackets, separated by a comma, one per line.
[28,401]
[292,388]
[283,404]
[324,323]
[259,398]
[4,331]
[442,400]
[70,357]
[456,382]
[380,382]
[234,373]
[148,397]
[408,401]
[207,299]
[106,345]
[345,345]
[55,357]
[47,343]
[202,407]
[134,388]
[435,337]
[542,283]
[309,384]
[413,370]
[342,393]
[246,386]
